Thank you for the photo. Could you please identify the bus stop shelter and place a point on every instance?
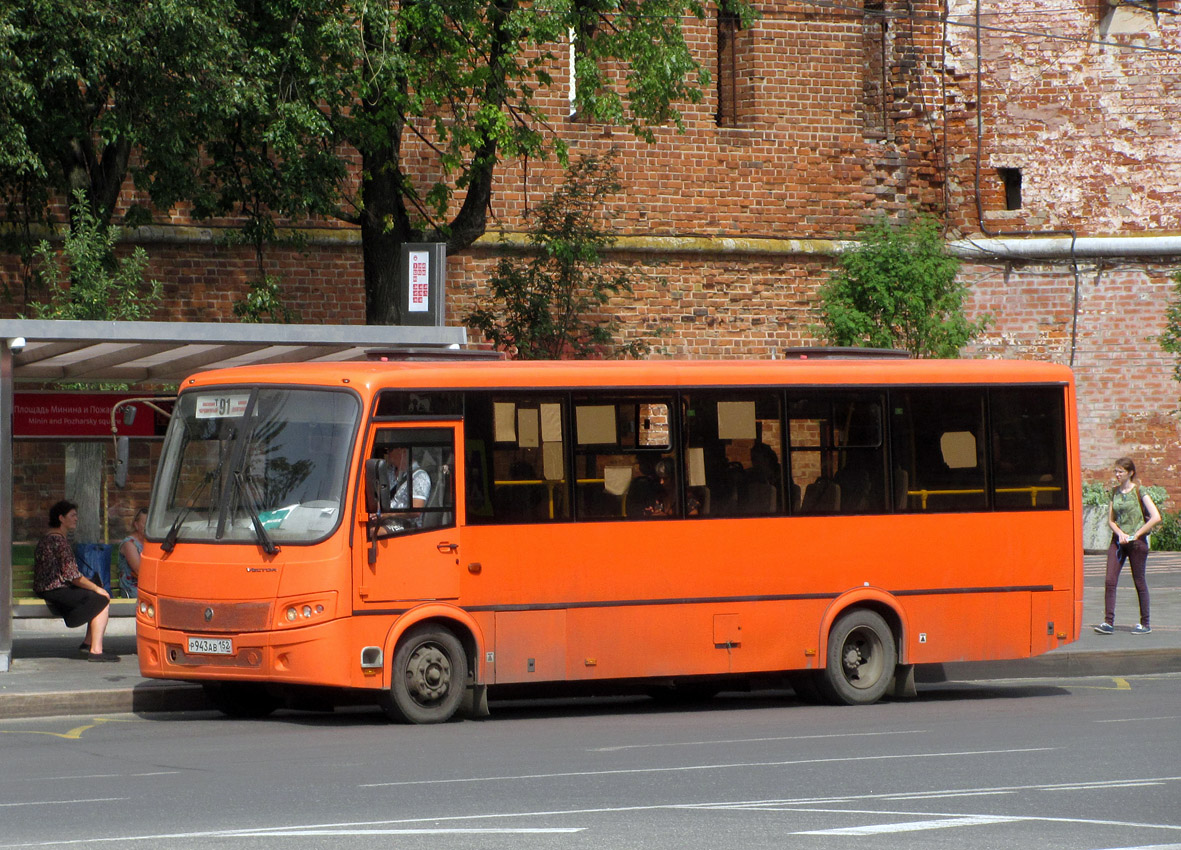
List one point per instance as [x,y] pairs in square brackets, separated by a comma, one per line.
[156,354]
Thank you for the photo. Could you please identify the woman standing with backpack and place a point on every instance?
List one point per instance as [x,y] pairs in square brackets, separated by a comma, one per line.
[1131,516]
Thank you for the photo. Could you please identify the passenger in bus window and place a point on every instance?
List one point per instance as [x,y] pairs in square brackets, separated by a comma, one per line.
[410,484]
[669,500]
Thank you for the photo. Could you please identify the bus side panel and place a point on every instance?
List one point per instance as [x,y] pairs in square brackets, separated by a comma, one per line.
[677,640]
[979,627]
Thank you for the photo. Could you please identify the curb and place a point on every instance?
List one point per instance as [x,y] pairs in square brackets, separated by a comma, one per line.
[175,696]
[1120,662]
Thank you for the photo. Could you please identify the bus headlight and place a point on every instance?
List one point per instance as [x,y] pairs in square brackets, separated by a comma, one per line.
[305,611]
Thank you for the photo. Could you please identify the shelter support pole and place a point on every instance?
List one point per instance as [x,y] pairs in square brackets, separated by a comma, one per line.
[6,506]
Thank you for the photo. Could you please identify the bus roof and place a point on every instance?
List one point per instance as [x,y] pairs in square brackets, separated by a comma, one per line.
[521,374]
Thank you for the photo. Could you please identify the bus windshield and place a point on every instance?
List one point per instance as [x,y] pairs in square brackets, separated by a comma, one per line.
[261,465]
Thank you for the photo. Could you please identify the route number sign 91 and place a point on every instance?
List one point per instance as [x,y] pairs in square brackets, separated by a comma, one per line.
[223,406]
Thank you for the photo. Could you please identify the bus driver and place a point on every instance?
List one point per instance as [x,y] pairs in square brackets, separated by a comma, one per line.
[409,483]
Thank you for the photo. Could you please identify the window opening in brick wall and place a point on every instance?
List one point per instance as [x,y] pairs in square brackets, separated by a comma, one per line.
[727,72]
[1011,178]
[875,47]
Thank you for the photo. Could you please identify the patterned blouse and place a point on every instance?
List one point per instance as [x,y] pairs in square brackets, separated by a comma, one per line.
[53,564]
[1127,510]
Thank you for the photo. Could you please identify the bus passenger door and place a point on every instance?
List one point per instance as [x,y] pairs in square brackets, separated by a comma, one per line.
[408,547]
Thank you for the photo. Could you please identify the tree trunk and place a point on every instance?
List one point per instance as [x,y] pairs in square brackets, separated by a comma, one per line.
[381,251]
[85,488]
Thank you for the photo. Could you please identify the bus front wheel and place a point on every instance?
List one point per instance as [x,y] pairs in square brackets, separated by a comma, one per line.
[428,678]
[861,659]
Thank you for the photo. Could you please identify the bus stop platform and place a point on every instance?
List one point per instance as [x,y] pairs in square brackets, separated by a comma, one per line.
[48,677]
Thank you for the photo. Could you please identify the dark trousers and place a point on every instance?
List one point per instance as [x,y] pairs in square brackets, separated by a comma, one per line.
[1136,553]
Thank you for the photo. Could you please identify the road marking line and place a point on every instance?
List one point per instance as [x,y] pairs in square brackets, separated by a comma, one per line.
[73,735]
[915,826]
[1096,785]
[340,833]
[699,767]
[1139,719]
[752,740]
[95,776]
[64,802]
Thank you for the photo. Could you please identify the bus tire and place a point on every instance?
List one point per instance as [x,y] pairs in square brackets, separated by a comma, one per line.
[429,676]
[861,658]
[243,700]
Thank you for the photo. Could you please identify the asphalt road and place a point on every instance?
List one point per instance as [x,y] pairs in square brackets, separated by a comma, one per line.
[1086,763]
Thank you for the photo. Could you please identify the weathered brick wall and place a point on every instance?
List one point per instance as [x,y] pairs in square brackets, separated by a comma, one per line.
[1093,127]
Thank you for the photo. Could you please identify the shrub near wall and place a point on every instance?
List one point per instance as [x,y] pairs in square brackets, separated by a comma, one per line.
[1166,537]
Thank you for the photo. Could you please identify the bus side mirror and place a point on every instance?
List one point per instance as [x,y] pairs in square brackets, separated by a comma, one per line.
[377,488]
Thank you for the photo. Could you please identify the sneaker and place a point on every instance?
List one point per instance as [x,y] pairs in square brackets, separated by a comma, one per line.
[1104,629]
[1141,630]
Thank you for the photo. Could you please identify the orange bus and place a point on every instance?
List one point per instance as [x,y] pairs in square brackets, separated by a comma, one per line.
[412,533]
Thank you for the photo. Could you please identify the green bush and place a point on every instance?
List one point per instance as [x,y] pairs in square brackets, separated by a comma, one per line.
[1095,493]
[1166,537]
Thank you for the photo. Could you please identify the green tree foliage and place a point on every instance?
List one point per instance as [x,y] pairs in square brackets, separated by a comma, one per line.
[85,83]
[1170,340]
[549,307]
[456,82]
[85,281]
[897,289]
[264,304]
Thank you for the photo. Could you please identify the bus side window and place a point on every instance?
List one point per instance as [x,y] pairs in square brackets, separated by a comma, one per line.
[417,468]
[518,442]
[838,452]
[734,445]
[1028,448]
[938,443]
[620,450]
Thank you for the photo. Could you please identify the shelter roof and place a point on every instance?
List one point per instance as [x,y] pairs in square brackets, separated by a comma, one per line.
[167,352]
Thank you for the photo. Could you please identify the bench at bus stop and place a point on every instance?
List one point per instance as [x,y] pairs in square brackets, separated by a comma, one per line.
[27,605]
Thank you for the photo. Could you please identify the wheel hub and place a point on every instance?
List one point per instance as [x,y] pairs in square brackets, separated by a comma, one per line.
[428,675]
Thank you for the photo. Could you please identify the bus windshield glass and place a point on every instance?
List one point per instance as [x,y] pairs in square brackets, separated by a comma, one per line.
[256,465]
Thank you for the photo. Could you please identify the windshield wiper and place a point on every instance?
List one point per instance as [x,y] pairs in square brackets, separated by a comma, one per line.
[247,491]
[170,539]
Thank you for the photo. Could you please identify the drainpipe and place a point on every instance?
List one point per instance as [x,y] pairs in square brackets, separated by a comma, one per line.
[1064,247]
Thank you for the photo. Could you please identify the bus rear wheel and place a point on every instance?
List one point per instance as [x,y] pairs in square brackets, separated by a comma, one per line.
[244,700]
[861,659]
[428,677]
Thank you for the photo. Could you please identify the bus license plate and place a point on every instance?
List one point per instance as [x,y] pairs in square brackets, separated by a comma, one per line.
[211,646]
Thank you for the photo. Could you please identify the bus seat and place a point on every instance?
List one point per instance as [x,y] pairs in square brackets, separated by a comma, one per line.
[795,497]
[702,494]
[439,498]
[901,490]
[822,496]
[759,498]
[854,483]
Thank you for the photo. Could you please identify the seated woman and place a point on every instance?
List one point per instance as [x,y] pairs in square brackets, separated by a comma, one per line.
[131,549]
[68,593]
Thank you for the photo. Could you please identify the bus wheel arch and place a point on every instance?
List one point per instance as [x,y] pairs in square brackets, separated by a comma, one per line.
[861,651]
[428,672]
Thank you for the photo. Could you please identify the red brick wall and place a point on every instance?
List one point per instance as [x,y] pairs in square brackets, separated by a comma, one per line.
[39,475]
